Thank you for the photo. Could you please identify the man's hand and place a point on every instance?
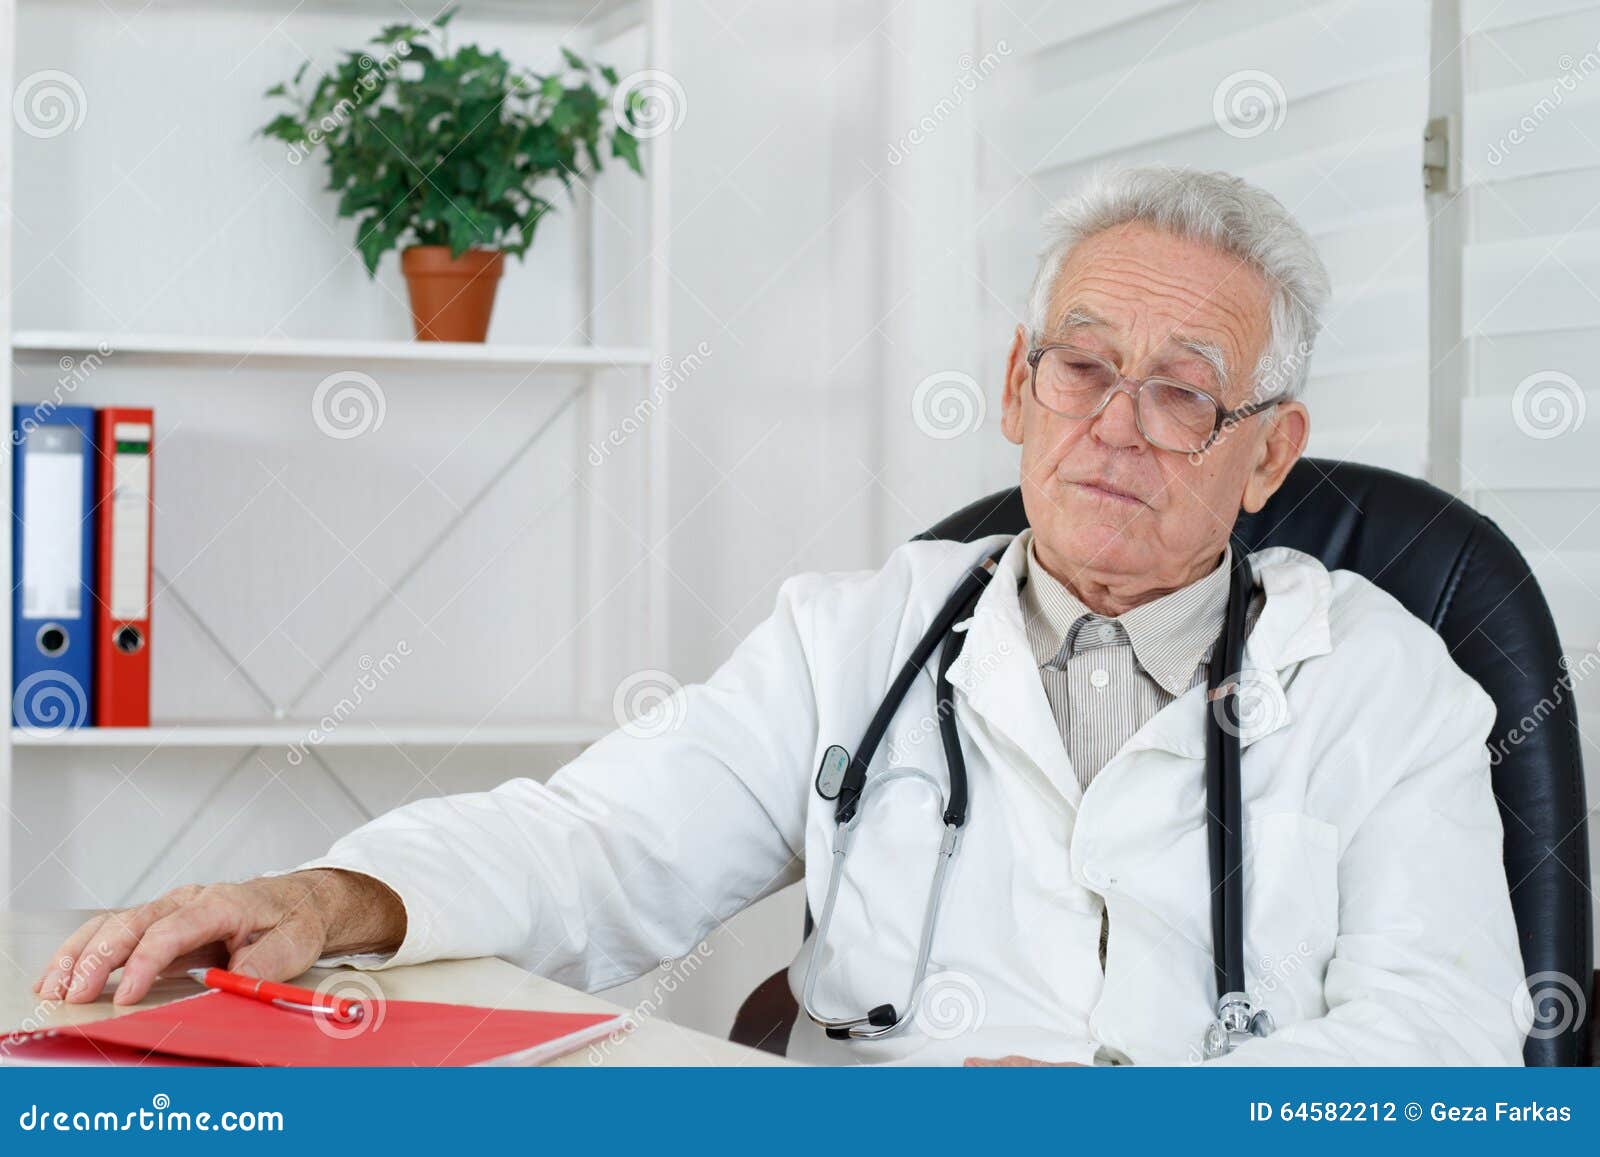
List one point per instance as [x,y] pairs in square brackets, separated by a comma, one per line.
[274,928]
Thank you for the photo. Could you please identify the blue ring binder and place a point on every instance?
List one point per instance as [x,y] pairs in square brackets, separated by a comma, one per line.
[52,558]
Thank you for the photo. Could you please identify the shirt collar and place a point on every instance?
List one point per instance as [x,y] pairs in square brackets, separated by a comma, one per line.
[1171,635]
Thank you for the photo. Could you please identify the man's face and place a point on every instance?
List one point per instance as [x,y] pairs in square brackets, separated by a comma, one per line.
[1120,520]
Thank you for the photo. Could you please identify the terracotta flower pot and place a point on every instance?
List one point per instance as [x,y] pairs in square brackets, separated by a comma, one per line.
[451,297]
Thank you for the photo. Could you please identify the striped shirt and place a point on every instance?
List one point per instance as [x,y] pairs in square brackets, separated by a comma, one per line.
[1106,677]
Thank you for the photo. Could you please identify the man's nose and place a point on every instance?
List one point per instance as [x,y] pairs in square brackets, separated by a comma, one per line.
[1118,423]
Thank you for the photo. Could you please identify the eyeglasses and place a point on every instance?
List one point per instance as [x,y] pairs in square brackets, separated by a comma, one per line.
[1172,416]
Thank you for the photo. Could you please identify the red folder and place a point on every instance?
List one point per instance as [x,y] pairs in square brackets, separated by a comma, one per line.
[221,1028]
[122,627]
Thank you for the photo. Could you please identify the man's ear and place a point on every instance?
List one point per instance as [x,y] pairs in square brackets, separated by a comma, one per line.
[1288,428]
[1017,371]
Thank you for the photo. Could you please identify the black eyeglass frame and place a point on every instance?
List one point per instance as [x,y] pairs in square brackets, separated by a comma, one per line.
[1223,417]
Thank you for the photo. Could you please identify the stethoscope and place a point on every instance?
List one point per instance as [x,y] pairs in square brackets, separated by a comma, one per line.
[843,779]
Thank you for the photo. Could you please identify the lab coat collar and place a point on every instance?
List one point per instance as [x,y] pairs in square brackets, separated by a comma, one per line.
[1293,626]
[997,676]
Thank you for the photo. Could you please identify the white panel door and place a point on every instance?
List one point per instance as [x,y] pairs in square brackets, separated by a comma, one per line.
[1531,302]
[1324,105]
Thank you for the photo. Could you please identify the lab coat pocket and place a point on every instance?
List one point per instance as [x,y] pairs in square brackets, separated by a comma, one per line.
[1291,890]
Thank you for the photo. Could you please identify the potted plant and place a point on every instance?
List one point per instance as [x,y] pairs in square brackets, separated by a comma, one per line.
[447,156]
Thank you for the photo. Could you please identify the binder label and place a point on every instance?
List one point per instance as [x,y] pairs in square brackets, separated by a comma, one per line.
[52,509]
[130,536]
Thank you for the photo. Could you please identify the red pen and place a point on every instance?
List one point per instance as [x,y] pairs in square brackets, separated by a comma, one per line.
[282,995]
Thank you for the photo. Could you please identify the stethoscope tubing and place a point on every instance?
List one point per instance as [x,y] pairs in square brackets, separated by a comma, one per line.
[1224,807]
[857,786]
[844,840]
[959,603]
[1224,791]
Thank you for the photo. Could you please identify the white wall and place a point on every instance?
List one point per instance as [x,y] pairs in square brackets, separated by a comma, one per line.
[7,63]
[779,264]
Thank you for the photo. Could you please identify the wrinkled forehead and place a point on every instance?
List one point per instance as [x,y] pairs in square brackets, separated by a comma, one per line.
[1150,293]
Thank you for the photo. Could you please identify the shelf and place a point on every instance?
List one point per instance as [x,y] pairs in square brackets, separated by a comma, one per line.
[550,733]
[172,348]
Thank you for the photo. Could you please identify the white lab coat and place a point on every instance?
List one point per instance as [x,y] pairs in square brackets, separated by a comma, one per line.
[1378,924]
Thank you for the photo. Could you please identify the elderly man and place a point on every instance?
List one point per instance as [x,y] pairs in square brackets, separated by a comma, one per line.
[1153,395]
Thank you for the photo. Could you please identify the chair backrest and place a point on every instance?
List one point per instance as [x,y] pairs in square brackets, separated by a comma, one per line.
[1455,570]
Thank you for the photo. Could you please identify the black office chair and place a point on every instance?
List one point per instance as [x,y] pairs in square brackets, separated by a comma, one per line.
[1456,570]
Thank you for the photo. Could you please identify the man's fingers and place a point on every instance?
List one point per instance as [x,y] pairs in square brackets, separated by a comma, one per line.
[194,925]
[105,950]
[257,925]
[113,941]
[52,984]
[282,952]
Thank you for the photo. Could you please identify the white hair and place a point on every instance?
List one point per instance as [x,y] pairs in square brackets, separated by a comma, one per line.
[1220,210]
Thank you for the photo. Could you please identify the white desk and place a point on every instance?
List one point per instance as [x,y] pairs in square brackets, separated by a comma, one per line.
[28,938]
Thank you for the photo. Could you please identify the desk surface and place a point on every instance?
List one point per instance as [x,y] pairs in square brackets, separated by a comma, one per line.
[28,938]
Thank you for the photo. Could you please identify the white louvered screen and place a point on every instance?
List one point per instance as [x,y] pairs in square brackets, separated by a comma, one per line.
[1531,302]
[1323,104]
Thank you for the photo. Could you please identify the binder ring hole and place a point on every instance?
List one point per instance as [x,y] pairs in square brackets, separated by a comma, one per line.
[52,640]
[128,640]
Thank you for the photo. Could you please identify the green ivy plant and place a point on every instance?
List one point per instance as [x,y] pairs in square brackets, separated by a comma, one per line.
[431,147]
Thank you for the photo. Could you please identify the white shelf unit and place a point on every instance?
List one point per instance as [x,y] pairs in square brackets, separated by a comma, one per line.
[177,348]
[243,734]
[572,361]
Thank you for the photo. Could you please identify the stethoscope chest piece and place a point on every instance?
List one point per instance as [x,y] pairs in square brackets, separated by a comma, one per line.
[1238,1019]
[830,775]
